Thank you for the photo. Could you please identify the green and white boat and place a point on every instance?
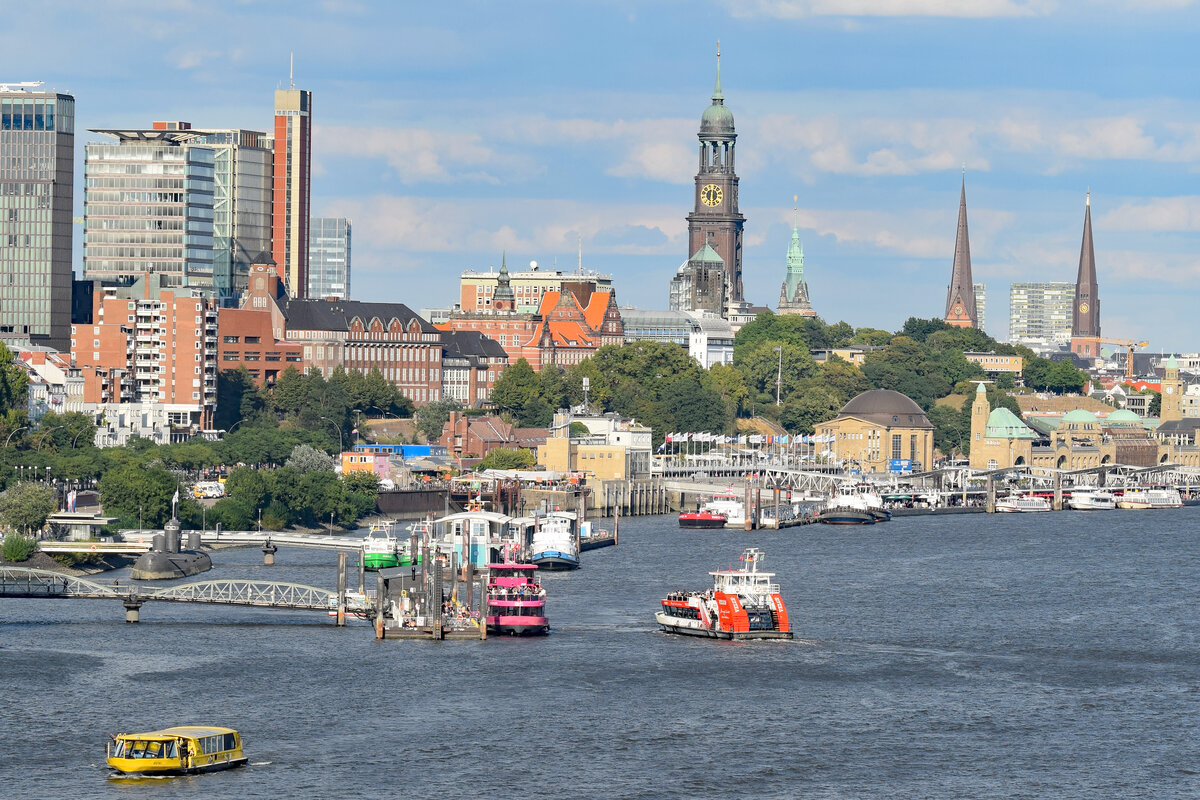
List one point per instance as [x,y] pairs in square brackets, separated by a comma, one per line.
[381,549]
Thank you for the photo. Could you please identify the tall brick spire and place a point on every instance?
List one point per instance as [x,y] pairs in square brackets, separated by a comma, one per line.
[960,296]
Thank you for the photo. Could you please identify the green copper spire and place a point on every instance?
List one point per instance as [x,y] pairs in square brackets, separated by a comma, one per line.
[793,295]
[717,89]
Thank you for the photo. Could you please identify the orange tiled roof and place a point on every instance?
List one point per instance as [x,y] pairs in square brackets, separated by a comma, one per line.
[597,306]
[565,332]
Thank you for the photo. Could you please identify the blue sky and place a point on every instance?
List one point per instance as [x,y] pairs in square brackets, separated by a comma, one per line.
[452,131]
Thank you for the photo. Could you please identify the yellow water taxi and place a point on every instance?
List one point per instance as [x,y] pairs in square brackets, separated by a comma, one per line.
[185,750]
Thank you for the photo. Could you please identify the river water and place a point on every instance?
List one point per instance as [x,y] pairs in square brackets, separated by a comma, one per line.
[1006,656]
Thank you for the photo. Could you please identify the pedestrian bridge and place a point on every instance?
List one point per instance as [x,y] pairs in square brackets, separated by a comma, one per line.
[27,583]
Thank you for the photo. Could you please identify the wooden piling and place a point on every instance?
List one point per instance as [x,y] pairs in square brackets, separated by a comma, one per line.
[991,495]
[1058,491]
[616,523]
[380,605]
[341,590]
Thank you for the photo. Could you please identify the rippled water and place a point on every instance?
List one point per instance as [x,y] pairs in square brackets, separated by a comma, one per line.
[1009,656]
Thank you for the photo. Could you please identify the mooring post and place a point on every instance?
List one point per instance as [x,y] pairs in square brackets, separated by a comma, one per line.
[380,605]
[991,495]
[483,606]
[616,523]
[341,590]
[749,522]
[268,551]
[1058,491]
[132,605]
[437,599]
[362,572]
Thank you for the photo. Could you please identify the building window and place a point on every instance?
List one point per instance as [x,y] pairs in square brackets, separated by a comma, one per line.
[895,445]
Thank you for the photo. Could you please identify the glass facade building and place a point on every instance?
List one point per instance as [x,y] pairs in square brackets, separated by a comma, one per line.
[1040,312]
[241,207]
[148,208]
[329,258]
[37,172]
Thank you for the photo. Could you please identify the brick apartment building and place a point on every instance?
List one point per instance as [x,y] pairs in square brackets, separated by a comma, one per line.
[148,344]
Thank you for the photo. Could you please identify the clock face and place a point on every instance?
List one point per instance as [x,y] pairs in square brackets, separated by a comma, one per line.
[958,309]
[1083,308]
[1170,389]
[711,195]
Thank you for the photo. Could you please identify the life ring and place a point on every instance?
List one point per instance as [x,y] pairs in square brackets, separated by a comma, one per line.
[93,547]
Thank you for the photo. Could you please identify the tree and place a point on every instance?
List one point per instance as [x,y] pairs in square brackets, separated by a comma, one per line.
[305,458]
[515,387]
[18,547]
[552,386]
[1154,409]
[760,364]
[25,506]
[920,329]
[248,485]
[290,393]
[431,418]
[730,384]
[843,377]
[238,398]
[1005,381]
[536,413]
[13,381]
[803,410]
[949,436]
[507,458]
[138,492]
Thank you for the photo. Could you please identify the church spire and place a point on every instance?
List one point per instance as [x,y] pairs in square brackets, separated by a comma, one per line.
[1085,321]
[960,296]
[793,295]
[717,96]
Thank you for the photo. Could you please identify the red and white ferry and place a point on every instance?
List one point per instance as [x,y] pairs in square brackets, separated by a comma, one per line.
[702,519]
[743,604]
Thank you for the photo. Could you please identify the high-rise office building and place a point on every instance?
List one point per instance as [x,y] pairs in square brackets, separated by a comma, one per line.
[148,207]
[980,305]
[1040,312]
[242,163]
[293,137]
[329,258]
[37,173]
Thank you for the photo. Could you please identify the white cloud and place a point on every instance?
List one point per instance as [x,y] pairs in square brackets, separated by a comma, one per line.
[458,225]
[1157,214]
[418,154]
[976,9]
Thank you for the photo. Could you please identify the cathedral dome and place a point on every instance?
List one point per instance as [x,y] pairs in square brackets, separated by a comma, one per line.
[716,118]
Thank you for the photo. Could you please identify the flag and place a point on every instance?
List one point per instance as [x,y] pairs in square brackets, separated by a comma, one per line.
[71,497]
[175,499]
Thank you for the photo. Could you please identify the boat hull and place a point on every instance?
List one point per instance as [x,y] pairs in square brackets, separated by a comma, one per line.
[555,562]
[518,626]
[714,633]
[846,516]
[177,770]
[701,521]
[377,561]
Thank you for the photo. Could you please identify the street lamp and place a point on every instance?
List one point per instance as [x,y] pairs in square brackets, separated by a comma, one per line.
[779,375]
[76,439]
[338,428]
[15,431]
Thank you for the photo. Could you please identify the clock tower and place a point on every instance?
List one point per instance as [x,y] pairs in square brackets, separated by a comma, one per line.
[715,221]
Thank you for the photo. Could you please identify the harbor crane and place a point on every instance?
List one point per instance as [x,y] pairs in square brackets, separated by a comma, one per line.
[1130,345]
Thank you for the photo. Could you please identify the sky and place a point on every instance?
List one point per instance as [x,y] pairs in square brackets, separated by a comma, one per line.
[451,133]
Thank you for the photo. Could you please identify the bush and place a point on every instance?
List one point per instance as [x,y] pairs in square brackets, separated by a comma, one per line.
[17,548]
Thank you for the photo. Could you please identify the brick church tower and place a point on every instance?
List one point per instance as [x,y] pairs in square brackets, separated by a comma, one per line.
[715,220]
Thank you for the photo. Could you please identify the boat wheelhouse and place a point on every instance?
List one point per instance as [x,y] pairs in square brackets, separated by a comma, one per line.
[477,536]
[742,604]
[184,750]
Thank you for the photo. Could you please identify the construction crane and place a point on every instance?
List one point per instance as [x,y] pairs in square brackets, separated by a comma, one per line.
[1130,345]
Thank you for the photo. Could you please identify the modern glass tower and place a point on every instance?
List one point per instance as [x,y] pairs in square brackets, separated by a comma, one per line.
[148,207]
[37,173]
[241,206]
[329,258]
[1040,312]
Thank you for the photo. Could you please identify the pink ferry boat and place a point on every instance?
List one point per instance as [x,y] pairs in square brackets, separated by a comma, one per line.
[516,602]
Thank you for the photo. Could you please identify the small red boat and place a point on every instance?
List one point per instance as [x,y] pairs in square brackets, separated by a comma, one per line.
[702,519]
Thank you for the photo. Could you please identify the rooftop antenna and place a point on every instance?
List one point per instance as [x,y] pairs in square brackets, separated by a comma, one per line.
[292,69]
[579,269]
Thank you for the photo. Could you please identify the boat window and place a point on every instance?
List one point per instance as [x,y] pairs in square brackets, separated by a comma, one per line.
[230,744]
[137,749]
[170,751]
[154,749]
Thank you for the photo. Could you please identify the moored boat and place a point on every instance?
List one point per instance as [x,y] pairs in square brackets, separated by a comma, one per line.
[1141,499]
[728,504]
[553,544]
[742,604]
[1089,500]
[380,546]
[1022,503]
[184,750]
[702,520]
[844,515]
[516,602]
